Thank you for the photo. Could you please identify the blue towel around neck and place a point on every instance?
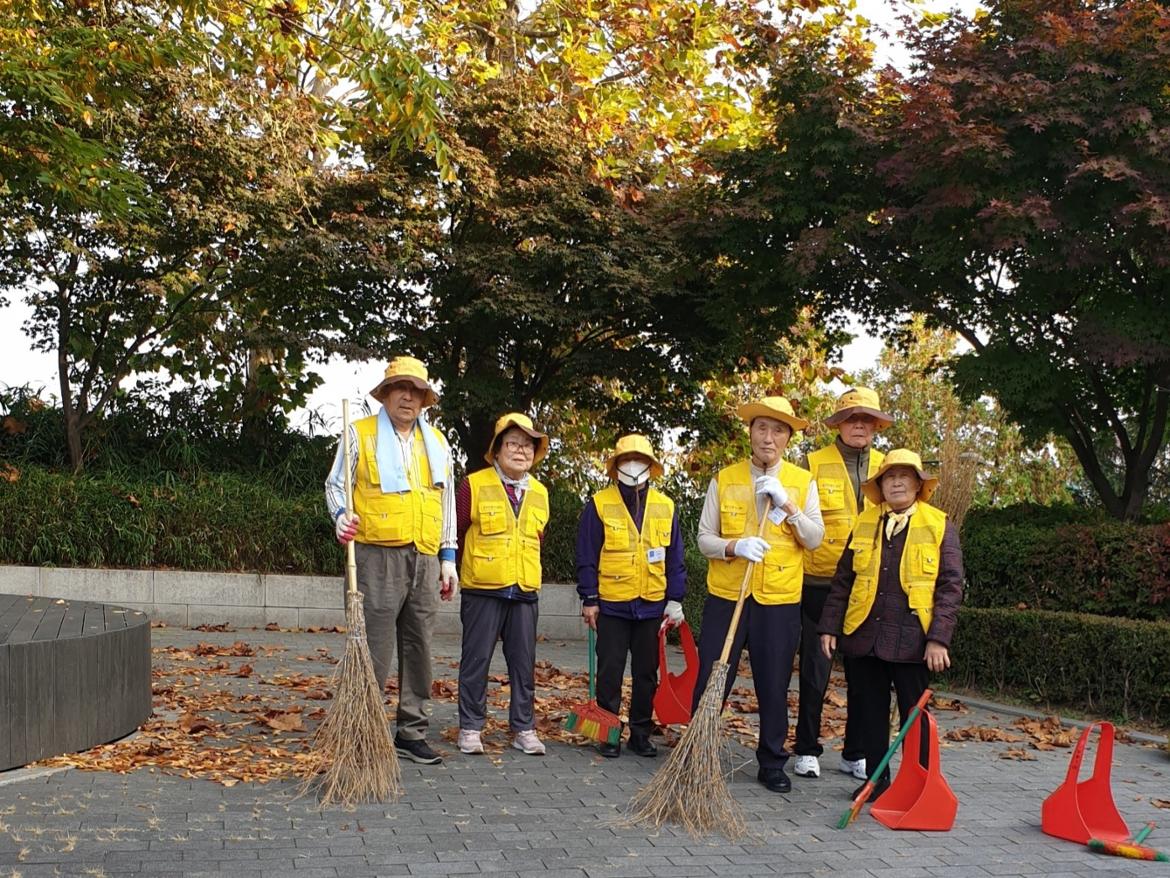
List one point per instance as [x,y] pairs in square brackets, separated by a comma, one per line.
[391,471]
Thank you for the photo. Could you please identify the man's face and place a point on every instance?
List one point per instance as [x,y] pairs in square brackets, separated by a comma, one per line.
[769,438]
[857,430]
[403,403]
[900,487]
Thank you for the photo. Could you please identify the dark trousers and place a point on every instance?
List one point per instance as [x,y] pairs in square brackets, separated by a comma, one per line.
[771,635]
[485,620]
[638,638]
[869,699]
[814,680]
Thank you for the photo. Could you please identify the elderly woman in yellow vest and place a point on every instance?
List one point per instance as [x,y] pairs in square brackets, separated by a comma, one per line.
[838,469]
[895,598]
[631,579]
[770,625]
[501,512]
[404,523]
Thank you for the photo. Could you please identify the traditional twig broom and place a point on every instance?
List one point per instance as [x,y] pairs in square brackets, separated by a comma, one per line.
[353,755]
[690,789]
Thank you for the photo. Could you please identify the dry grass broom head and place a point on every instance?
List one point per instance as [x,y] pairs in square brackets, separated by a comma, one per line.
[354,760]
[690,789]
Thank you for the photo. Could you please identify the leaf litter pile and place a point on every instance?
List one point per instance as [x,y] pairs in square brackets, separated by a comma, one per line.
[237,712]
[215,717]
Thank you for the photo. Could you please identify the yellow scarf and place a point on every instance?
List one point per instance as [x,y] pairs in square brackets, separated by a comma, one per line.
[896,521]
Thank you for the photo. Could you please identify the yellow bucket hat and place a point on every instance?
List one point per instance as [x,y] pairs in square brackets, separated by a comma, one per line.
[776,407]
[407,369]
[523,422]
[633,443]
[859,399]
[899,457]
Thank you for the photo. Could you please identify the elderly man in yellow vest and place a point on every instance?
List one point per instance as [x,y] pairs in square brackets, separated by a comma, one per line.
[895,599]
[838,469]
[769,627]
[404,523]
[501,511]
[631,578]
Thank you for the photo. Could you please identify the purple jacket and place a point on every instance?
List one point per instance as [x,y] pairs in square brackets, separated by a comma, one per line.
[591,537]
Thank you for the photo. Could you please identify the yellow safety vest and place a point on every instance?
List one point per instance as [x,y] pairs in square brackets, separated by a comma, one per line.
[414,516]
[838,506]
[918,571]
[501,548]
[632,564]
[777,580]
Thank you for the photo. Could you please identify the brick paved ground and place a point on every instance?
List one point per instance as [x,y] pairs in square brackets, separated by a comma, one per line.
[516,815]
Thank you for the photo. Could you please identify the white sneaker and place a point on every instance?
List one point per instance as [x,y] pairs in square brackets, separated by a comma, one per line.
[528,742]
[855,768]
[469,741]
[807,766]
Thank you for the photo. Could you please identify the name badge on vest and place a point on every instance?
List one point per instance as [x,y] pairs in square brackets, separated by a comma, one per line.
[777,515]
[656,555]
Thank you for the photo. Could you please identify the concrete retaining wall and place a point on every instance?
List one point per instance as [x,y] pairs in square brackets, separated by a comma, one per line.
[247,599]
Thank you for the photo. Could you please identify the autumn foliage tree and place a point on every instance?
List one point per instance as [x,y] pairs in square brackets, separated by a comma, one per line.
[1014,187]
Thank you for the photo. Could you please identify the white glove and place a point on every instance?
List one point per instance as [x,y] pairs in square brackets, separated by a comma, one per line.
[346,527]
[751,549]
[771,486]
[672,615]
[448,576]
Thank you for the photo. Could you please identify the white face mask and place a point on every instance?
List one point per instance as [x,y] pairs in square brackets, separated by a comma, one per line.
[633,472]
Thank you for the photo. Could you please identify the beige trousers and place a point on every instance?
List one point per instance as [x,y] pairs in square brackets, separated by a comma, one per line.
[400,591]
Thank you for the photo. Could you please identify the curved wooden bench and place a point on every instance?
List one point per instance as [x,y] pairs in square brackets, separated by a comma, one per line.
[73,674]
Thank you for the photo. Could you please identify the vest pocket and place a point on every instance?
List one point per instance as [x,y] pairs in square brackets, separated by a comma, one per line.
[832,494]
[926,560]
[491,562]
[491,517]
[392,524]
[660,533]
[862,557]
[732,518]
[617,535]
[534,523]
[921,597]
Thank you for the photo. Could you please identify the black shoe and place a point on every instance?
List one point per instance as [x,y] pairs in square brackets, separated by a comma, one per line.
[641,745]
[416,751]
[775,780]
[609,751]
[878,788]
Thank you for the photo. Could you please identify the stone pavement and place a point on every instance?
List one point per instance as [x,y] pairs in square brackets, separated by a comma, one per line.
[517,815]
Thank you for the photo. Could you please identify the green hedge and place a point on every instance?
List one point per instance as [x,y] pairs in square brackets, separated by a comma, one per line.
[1102,666]
[1099,566]
[216,522]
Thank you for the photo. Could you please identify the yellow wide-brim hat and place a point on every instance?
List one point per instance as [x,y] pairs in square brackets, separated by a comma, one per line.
[860,399]
[776,407]
[899,457]
[522,422]
[633,443]
[407,369]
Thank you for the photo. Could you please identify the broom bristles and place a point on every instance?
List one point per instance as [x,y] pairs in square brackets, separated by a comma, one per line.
[593,721]
[354,759]
[690,789]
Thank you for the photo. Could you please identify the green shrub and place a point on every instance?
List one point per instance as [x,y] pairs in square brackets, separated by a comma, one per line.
[1105,567]
[1103,666]
[215,522]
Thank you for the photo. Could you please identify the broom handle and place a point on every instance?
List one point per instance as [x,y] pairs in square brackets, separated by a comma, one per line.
[743,589]
[350,555]
[592,664]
